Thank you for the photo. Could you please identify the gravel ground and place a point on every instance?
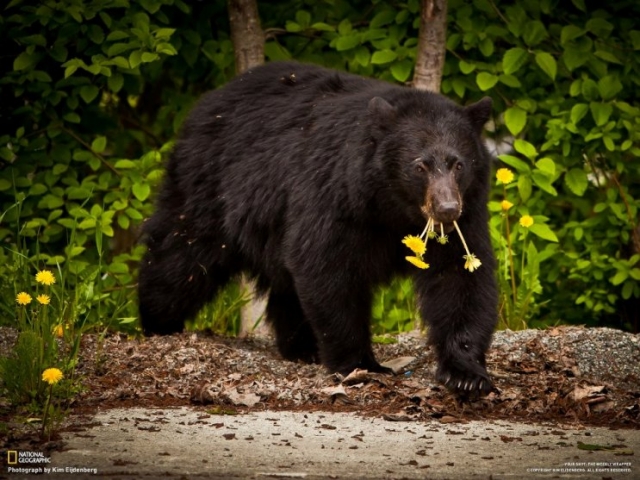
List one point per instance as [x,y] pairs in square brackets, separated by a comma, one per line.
[566,375]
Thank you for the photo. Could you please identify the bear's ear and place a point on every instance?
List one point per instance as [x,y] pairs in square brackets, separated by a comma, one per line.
[382,115]
[479,113]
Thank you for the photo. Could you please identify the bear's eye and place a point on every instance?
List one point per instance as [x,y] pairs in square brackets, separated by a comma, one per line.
[420,166]
[459,166]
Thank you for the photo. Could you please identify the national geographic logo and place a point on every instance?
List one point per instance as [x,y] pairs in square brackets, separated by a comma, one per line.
[26,457]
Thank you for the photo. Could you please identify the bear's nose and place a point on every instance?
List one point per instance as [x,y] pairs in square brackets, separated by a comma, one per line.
[447,212]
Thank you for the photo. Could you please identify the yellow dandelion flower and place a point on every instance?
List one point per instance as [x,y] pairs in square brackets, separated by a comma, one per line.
[417,262]
[45,277]
[415,244]
[506,205]
[23,298]
[58,331]
[504,175]
[44,299]
[472,262]
[52,376]
[526,221]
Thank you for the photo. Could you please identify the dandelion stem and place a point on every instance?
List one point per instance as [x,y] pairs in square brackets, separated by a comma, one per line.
[426,229]
[513,273]
[442,230]
[455,224]
[46,411]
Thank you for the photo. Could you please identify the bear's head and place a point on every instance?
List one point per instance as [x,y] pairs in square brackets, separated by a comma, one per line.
[432,154]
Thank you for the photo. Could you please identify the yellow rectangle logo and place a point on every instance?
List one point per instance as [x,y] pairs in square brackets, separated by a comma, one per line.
[12,457]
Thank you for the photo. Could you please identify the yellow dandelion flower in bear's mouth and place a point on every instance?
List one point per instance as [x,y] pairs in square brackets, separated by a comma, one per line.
[417,262]
[415,244]
[504,175]
[472,262]
[23,298]
[52,375]
[45,277]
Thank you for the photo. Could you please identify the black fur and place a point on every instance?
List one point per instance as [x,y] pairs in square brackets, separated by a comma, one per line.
[308,179]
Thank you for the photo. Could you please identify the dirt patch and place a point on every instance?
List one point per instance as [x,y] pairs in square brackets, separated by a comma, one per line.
[567,375]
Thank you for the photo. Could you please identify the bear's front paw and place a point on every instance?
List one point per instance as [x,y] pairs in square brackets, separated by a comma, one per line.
[473,380]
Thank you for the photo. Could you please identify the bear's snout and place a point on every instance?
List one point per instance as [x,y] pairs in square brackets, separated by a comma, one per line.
[447,211]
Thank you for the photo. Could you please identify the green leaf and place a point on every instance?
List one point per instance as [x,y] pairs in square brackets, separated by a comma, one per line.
[382,18]
[515,162]
[148,57]
[486,80]
[525,187]
[609,87]
[274,51]
[347,43]
[543,231]
[24,61]
[34,40]
[525,148]
[363,56]
[303,18]
[547,63]
[486,47]
[547,166]
[515,118]
[72,117]
[383,56]
[292,27]
[577,181]
[607,56]
[135,58]
[510,81]
[124,164]
[570,32]
[141,191]
[115,82]
[574,58]
[513,59]
[95,34]
[78,193]
[99,144]
[534,33]
[578,111]
[323,27]
[89,93]
[599,27]
[601,112]
[466,67]
[117,35]
[4,185]
[401,70]
[543,182]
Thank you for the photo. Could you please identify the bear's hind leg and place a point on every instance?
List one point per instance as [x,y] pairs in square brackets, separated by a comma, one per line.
[294,336]
[178,276]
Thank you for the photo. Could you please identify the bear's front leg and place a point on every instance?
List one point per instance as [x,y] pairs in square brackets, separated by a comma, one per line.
[338,306]
[459,308]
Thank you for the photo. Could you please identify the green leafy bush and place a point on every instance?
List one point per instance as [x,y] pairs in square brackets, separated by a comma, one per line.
[95,92]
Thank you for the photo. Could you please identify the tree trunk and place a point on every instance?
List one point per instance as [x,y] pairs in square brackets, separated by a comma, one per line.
[246,34]
[248,45]
[431,45]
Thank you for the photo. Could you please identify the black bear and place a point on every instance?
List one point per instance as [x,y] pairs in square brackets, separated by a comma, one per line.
[308,180]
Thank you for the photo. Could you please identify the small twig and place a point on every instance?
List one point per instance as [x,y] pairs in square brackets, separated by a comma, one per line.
[88,147]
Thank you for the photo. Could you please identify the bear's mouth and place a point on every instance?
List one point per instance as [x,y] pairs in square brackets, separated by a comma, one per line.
[447,227]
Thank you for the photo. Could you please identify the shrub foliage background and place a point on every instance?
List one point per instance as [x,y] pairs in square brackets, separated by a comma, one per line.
[93,94]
